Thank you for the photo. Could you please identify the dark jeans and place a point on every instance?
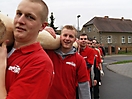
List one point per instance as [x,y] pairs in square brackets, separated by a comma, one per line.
[96,88]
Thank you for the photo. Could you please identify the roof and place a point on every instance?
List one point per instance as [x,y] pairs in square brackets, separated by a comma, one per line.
[106,24]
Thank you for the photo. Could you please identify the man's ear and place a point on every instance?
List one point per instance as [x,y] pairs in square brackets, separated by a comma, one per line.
[75,39]
[43,26]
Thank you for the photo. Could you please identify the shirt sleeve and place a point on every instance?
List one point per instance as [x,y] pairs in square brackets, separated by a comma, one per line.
[84,90]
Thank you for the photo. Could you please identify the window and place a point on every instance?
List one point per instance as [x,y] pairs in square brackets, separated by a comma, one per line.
[89,29]
[94,29]
[123,39]
[129,39]
[109,39]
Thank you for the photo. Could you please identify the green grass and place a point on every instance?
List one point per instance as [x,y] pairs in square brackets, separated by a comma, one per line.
[122,62]
[125,53]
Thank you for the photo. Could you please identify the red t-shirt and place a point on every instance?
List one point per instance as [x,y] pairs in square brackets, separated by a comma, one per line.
[29,73]
[88,55]
[98,58]
[68,72]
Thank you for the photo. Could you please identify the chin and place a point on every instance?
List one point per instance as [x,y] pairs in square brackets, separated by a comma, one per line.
[67,47]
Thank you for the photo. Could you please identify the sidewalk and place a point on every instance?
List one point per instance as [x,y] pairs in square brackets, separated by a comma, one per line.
[123,69]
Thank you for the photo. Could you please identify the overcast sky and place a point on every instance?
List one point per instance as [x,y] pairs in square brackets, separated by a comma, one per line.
[66,11]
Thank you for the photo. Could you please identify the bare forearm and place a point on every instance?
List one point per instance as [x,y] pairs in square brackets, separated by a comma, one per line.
[3,92]
[100,66]
[3,64]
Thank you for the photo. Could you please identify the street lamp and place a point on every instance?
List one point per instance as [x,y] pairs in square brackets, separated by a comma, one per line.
[78,21]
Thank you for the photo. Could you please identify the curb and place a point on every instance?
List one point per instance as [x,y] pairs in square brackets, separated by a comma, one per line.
[124,69]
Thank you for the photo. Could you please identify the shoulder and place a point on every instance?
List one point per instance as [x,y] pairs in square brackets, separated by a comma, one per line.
[79,57]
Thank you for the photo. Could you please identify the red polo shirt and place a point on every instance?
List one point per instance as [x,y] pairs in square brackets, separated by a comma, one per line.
[88,55]
[68,72]
[29,73]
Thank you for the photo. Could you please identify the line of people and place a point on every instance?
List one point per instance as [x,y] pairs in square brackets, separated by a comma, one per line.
[29,73]
[93,55]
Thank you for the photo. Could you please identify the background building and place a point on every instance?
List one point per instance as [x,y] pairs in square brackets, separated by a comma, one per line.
[115,34]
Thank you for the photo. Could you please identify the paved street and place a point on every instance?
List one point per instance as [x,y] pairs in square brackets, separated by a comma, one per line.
[117,82]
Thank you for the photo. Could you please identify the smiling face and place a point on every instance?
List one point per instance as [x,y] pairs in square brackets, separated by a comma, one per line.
[94,45]
[27,22]
[83,40]
[67,38]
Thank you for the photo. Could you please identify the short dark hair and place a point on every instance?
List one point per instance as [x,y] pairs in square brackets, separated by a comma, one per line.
[82,34]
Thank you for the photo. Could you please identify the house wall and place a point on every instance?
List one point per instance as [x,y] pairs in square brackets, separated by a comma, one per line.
[93,32]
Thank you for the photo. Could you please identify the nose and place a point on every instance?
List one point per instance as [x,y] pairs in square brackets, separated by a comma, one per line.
[67,37]
[21,19]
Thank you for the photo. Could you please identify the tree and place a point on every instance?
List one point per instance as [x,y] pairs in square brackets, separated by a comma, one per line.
[52,19]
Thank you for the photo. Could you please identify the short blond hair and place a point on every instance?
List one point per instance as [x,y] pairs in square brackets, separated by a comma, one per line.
[45,11]
[70,27]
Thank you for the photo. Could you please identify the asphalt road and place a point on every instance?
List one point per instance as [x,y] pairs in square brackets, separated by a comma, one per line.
[114,85]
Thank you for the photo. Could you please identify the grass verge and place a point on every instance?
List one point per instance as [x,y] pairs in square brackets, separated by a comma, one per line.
[122,62]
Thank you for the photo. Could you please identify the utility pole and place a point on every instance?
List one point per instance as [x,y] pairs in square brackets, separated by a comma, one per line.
[78,16]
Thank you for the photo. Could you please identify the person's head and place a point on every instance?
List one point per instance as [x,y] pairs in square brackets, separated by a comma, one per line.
[90,42]
[94,43]
[83,40]
[29,20]
[67,37]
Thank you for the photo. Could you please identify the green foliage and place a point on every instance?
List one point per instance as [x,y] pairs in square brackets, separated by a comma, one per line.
[52,19]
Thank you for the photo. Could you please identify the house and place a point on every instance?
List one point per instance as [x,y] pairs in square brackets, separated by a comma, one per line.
[115,34]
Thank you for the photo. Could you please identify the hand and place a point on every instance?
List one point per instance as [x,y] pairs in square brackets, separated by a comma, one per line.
[101,72]
[51,31]
[95,82]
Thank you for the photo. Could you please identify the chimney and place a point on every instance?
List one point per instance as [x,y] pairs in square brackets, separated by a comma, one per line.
[106,17]
[122,18]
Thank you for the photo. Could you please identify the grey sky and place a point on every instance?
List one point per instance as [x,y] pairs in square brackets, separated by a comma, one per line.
[66,11]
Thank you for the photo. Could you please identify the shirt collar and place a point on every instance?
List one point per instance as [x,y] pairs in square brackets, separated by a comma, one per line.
[30,48]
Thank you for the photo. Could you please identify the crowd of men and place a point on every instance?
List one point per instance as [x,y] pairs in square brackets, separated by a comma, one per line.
[28,71]
[93,53]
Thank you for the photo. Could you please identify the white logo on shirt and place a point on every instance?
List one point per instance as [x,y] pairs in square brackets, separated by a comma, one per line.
[96,55]
[85,57]
[15,69]
[71,63]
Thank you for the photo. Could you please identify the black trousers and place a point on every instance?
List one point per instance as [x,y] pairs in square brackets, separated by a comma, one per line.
[96,88]
[77,96]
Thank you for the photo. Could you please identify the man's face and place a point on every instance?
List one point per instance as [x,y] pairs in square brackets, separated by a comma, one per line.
[89,43]
[94,44]
[67,38]
[83,40]
[27,22]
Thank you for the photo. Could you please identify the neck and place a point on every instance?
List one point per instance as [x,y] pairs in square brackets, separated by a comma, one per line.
[21,44]
[82,47]
[64,50]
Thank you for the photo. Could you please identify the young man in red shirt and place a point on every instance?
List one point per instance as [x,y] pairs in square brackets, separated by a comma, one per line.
[70,68]
[97,68]
[88,55]
[28,71]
